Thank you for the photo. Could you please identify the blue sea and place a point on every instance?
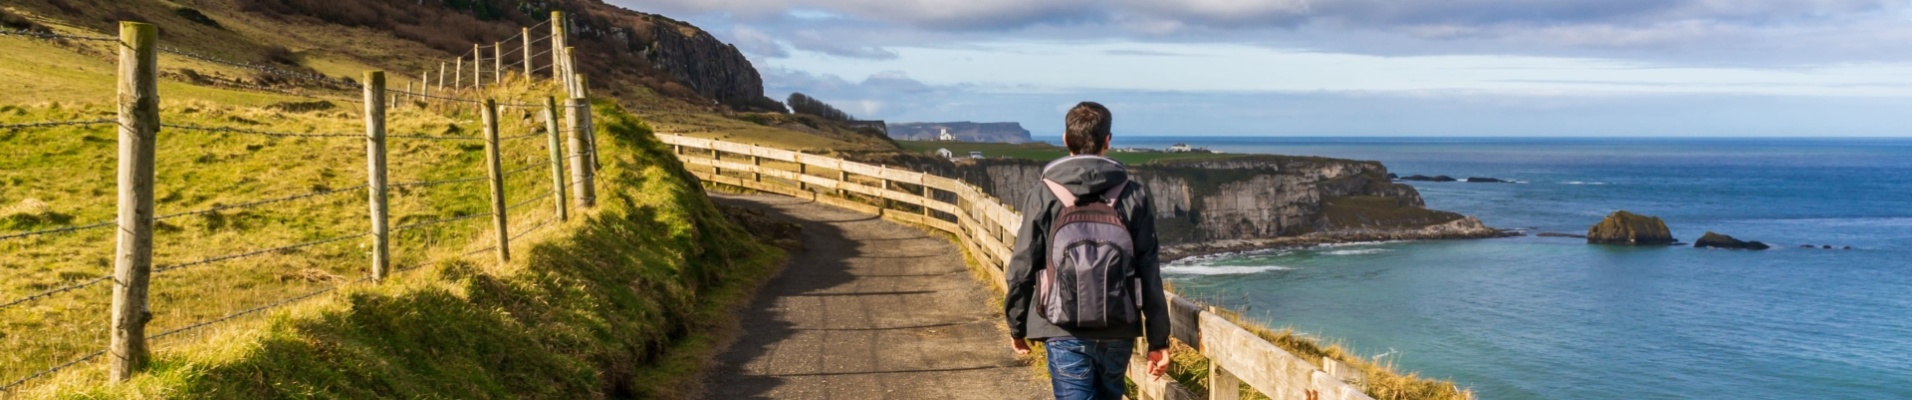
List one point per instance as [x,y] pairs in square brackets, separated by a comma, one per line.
[1556,318]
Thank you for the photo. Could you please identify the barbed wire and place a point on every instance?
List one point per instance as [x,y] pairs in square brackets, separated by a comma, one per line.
[533,199]
[435,137]
[519,170]
[245,312]
[254,253]
[9,387]
[59,230]
[437,182]
[260,202]
[51,35]
[50,293]
[524,136]
[50,124]
[211,129]
[402,228]
[433,96]
[513,238]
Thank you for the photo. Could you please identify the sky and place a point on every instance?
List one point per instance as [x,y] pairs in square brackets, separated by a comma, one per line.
[1731,68]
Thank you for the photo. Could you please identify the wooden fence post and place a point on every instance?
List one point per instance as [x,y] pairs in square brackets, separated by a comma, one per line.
[922,182]
[495,169]
[407,95]
[715,156]
[458,74]
[756,174]
[557,155]
[133,257]
[441,76]
[1221,384]
[843,178]
[571,71]
[581,178]
[802,169]
[375,171]
[885,197]
[477,67]
[590,126]
[557,51]
[526,34]
[498,63]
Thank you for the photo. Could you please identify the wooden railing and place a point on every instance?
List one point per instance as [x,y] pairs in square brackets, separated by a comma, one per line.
[987,228]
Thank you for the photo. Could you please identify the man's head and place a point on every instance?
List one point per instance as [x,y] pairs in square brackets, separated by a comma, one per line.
[1088,129]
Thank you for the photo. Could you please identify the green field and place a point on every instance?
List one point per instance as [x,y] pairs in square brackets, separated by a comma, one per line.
[1043,151]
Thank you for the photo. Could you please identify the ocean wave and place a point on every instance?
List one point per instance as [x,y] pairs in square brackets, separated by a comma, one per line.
[1355,252]
[1221,270]
[1586,183]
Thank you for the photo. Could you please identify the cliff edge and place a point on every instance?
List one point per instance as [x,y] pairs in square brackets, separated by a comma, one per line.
[1244,203]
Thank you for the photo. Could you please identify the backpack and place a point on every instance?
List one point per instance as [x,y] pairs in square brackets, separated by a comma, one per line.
[1089,282]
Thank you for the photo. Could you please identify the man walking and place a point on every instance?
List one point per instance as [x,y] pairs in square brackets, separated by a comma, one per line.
[1086,278]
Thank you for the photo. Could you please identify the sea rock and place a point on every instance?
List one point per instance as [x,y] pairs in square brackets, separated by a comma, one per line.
[1727,242]
[1806,246]
[1417,178]
[1393,177]
[1627,228]
[1477,179]
[1827,247]
[1561,234]
[1445,178]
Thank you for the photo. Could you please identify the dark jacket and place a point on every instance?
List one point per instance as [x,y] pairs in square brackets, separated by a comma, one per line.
[1085,176]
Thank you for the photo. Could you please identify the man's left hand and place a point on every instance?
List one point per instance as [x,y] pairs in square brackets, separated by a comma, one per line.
[1158,363]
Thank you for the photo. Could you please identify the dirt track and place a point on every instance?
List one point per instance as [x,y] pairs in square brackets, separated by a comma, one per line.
[871,310]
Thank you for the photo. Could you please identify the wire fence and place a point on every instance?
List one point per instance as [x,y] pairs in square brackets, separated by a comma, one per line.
[330,87]
[212,129]
[55,124]
[51,35]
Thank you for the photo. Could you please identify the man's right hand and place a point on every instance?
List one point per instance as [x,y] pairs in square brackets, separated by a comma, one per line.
[1020,345]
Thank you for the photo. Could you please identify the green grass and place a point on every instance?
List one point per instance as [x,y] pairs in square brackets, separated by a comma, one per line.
[594,309]
[1044,151]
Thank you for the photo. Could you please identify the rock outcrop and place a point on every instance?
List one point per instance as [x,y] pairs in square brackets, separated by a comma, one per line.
[1627,228]
[995,132]
[1716,240]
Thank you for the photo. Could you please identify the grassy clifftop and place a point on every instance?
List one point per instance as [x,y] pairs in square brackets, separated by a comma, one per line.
[585,312]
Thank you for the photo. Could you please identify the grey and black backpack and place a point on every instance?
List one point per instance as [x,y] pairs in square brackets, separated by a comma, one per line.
[1089,282]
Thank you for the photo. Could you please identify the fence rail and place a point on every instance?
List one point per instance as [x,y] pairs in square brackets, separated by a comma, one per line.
[987,229]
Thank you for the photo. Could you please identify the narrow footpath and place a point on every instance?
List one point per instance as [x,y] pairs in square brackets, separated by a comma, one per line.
[870,310]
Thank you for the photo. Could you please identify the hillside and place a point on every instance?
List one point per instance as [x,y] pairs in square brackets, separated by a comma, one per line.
[261,168]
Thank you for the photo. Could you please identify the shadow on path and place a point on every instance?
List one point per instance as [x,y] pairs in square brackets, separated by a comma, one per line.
[871,310]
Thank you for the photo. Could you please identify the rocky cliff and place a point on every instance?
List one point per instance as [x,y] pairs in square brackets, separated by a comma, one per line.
[1205,206]
[669,56]
[997,132]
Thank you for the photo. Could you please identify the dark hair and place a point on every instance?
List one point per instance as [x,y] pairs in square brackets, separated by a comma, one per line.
[1088,128]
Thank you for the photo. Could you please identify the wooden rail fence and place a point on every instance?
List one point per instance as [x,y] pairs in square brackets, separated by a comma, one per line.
[987,229]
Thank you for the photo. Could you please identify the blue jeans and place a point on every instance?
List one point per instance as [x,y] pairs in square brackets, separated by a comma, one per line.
[1088,369]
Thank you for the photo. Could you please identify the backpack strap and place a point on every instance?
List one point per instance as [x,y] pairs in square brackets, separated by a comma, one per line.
[1114,193]
[1062,193]
[1069,199]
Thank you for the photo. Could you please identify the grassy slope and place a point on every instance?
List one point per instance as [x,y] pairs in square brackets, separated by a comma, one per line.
[59,176]
[584,312]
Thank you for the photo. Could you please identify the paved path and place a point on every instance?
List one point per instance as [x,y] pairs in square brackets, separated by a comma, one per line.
[871,310]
